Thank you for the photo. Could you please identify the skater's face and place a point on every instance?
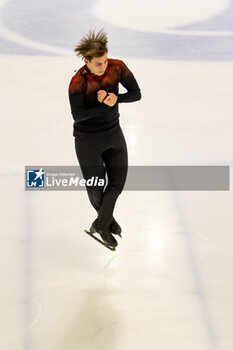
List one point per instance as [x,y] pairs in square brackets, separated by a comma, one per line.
[97,65]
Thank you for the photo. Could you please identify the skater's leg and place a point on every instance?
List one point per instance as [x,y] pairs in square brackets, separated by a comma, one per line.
[91,163]
[104,149]
[116,162]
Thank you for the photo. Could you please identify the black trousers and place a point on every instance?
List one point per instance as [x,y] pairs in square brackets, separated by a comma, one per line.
[103,155]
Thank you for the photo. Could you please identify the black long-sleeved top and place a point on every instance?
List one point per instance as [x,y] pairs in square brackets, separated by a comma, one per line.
[88,113]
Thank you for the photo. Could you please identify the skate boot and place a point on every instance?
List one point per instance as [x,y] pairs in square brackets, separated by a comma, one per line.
[115,228]
[94,226]
[106,235]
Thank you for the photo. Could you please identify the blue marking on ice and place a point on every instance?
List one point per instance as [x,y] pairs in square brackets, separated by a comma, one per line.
[62,25]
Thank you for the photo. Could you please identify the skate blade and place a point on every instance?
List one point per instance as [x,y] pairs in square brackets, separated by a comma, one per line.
[99,240]
[117,234]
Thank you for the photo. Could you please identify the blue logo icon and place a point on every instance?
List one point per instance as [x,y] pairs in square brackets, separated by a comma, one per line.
[35,178]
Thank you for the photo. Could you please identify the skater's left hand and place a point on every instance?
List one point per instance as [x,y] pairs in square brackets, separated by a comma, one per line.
[110,99]
[101,95]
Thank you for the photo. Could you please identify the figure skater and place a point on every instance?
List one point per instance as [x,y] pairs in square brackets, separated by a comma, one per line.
[99,141]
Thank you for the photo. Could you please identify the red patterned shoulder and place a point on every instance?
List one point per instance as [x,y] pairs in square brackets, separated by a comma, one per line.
[77,83]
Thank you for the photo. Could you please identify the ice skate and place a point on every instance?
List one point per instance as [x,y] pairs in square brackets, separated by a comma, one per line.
[115,228]
[107,238]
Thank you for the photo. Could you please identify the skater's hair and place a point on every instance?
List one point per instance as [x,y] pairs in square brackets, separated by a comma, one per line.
[92,45]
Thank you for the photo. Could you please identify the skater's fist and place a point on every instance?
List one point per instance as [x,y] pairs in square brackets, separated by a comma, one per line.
[101,94]
[111,99]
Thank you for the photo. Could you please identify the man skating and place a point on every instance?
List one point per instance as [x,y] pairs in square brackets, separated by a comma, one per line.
[99,141]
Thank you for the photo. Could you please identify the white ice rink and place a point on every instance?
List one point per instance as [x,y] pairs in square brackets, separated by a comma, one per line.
[169,285]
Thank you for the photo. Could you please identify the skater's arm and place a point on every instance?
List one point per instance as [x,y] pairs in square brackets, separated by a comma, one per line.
[129,82]
[80,112]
